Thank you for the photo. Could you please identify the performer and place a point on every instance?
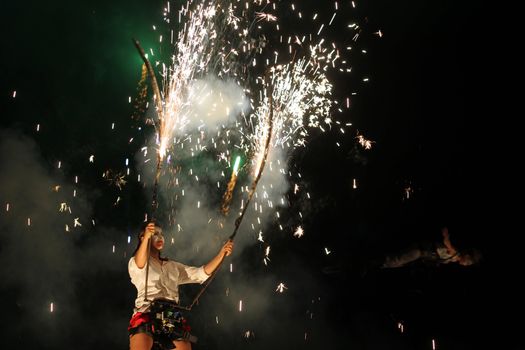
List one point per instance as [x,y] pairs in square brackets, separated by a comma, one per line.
[155,320]
[438,253]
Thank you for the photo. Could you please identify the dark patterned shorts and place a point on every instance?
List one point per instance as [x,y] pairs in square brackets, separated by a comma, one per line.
[164,323]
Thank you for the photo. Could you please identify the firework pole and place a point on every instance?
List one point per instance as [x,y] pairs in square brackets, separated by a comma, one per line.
[263,162]
[160,125]
[158,102]
[154,84]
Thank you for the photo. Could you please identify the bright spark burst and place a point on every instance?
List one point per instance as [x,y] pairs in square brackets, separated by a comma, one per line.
[244,43]
[301,97]
[301,89]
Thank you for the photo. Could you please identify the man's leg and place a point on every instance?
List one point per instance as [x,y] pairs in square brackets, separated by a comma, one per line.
[403,258]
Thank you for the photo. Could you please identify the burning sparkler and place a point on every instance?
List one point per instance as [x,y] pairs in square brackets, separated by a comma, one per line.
[261,165]
[227,198]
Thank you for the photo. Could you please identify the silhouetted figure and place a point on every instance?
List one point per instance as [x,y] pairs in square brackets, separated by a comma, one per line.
[437,253]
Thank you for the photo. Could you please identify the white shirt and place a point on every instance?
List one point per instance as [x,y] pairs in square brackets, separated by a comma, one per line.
[445,255]
[163,280]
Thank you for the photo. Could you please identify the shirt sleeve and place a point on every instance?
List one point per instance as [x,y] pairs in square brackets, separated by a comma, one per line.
[136,274]
[190,274]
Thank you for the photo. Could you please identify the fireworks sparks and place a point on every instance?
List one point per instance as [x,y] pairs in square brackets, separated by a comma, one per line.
[299,232]
[301,98]
[366,144]
[64,207]
[115,178]
[267,255]
[407,191]
[265,16]
[239,84]
[224,47]
[249,334]
[281,287]
[250,45]
[194,53]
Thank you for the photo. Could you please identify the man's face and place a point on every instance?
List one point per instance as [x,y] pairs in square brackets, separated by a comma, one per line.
[465,260]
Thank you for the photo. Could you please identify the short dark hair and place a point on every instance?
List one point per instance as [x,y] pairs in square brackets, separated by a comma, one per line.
[474,254]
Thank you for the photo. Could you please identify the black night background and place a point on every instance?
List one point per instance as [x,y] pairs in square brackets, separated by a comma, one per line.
[418,91]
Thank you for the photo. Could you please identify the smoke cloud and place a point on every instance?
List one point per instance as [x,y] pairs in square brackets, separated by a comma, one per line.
[46,253]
